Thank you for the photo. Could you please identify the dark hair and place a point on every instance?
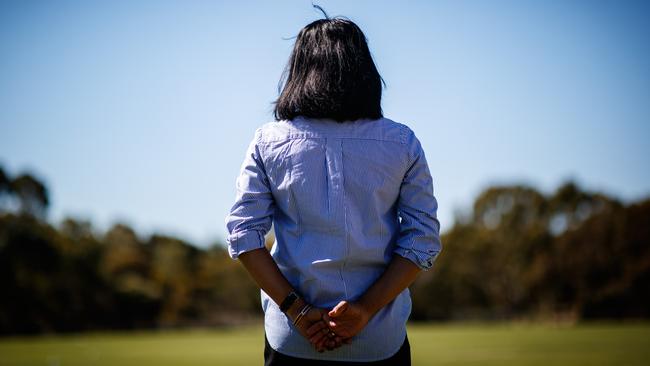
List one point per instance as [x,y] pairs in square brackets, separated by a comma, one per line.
[330,74]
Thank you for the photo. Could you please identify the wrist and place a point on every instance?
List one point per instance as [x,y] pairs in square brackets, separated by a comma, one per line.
[288,301]
[366,309]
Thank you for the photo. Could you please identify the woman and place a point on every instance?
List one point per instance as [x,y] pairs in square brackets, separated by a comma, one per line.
[351,199]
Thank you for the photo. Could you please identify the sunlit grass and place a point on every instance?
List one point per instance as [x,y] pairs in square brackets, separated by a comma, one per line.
[456,344]
[512,344]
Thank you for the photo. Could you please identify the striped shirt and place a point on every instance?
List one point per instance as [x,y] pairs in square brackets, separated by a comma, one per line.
[343,198]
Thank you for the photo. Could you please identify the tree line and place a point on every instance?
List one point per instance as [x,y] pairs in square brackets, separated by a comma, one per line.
[518,253]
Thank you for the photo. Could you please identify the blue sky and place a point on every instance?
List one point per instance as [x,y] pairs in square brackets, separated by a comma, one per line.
[141,111]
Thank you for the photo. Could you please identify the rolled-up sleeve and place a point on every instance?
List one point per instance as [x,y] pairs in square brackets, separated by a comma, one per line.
[419,237]
[251,216]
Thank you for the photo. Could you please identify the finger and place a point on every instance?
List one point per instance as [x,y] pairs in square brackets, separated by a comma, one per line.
[330,344]
[335,342]
[330,333]
[326,317]
[329,322]
[317,338]
[339,309]
[314,328]
[320,347]
[320,335]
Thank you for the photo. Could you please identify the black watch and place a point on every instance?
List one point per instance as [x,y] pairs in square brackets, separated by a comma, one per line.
[288,301]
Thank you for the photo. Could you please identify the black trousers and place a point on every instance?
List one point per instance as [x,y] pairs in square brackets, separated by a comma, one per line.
[275,358]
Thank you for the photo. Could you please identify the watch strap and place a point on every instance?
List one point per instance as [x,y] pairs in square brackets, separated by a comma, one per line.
[288,301]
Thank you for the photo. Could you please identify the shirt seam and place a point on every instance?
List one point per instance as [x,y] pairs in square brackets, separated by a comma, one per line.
[292,137]
[345,222]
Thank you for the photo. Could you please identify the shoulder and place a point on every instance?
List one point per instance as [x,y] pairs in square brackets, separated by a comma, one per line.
[273,131]
[400,130]
[409,140]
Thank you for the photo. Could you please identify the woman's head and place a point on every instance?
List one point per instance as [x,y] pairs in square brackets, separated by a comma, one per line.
[330,74]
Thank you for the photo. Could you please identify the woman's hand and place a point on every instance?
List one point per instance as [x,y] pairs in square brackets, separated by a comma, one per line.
[346,320]
[315,330]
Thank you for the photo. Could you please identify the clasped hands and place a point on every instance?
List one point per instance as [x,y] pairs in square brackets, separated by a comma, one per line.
[328,330]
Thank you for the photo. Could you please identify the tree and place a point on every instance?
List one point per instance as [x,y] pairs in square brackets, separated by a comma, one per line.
[32,195]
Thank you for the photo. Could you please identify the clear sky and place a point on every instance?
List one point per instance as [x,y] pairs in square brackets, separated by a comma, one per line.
[141,111]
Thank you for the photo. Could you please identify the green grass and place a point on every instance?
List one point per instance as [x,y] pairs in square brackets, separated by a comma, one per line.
[455,344]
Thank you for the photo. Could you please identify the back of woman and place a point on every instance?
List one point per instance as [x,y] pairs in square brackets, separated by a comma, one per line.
[348,191]
[336,188]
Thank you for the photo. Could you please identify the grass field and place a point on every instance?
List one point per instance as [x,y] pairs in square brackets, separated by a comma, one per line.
[456,344]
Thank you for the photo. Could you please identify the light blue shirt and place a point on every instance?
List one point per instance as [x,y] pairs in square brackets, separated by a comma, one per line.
[344,198]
